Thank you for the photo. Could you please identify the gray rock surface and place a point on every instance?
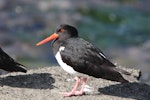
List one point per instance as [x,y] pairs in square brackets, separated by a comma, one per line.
[47,83]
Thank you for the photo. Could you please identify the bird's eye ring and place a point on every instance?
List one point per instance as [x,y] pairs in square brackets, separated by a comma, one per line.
[62,30]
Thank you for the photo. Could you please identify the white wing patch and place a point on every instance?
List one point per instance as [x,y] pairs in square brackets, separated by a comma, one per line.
[66,67]
[102,55]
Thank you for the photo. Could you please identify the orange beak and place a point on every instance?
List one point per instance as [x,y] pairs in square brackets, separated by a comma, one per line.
[52,37]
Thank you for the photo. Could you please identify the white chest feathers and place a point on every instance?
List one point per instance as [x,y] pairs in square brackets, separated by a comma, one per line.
[66,67]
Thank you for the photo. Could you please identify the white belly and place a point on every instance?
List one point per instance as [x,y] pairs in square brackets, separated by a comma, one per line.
[66,67]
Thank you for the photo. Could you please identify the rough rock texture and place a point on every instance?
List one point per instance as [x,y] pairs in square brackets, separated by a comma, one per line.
[47,83]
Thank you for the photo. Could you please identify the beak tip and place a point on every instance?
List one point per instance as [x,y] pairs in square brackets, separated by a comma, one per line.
[37,44]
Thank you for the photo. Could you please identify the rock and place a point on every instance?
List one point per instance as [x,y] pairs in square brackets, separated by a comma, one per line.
[47,83]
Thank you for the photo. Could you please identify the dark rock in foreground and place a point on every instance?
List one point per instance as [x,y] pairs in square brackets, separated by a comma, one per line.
[47,83]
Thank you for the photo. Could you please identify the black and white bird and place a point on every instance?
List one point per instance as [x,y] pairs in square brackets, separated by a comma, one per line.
[78,57]
[8,64]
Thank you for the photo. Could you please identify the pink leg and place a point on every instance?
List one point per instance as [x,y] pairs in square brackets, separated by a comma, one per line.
[82,89]
[68,94]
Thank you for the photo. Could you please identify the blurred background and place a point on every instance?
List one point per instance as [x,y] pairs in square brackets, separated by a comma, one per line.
[120,28]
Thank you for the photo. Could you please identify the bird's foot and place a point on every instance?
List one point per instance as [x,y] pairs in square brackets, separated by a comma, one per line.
[69,94]
[79,93]
[74,91]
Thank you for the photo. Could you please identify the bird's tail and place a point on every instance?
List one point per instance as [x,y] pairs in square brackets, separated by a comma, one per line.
[121,79]
[18,68]
[124,81]
[121,71]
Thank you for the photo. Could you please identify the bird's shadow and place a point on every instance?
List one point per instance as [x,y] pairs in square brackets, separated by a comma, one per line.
[138,91]
[35,81]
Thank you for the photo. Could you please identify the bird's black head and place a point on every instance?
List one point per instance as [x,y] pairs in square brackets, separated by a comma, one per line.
[62,33]
[66,31]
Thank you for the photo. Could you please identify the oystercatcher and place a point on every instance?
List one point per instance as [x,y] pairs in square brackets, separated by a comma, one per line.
[8,64]
[78,57]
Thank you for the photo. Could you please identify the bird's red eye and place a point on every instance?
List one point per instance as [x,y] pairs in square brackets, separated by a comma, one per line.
[62,30]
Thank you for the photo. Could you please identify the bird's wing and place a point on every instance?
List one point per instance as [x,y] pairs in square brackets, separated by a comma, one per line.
[4,58]
[8,64]
[84,57]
